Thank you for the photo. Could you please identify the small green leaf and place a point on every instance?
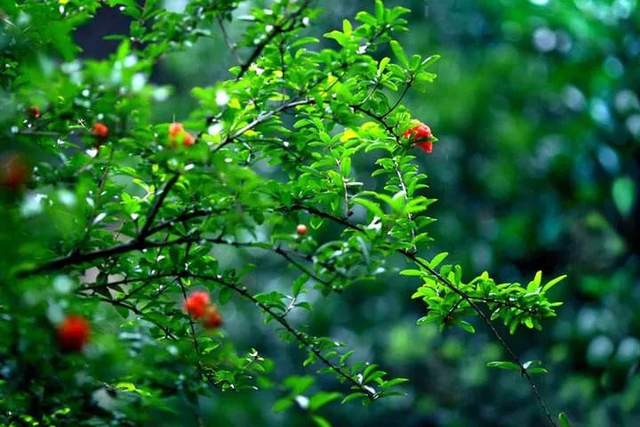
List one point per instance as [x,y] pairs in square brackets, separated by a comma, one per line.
[436,260]
[502,364]
[322,398]
[320,421]
[352,396]
[379,10]
[624,194]
[383,64]
[282,405]
[550,284]
[430,60]
[398,51]
[370,206]
[467,327]
[563,420]
[347,29]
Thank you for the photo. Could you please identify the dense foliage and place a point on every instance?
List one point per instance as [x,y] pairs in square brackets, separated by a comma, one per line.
[293,191]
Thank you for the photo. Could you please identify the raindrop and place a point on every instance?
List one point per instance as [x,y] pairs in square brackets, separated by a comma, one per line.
[215,129]
[222,98]
[67,198]
[544,39]
[608,159]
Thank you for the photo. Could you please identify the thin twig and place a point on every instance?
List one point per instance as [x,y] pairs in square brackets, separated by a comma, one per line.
[301,337]
[157,204]
[284,27]
[261,119]
[227,40]
[410,255]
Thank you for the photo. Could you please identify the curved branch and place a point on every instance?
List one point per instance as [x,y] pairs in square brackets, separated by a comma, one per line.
[157,204]
[301,337]
[467,298]
[288,25]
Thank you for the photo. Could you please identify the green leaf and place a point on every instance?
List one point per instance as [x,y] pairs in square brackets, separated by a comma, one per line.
[346,27]
[412,272]
[563,420]
[320,421]
[550,284]
[537,371]
[282,405]
[501,364]
[624,194]
[352,396]
[467,327]
[436,260]
[383,64]
[370,206]
[398,51]
[379,10]
[321,399]
[430,60]
[394,382]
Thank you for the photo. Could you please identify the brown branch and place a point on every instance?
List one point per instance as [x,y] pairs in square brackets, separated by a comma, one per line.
[286,26]
[82,258]
[261,119]
[400,98]
[492,328]
[157,204]
[380,119]
[301,337]
[227,40]
[411,256]
[279,251]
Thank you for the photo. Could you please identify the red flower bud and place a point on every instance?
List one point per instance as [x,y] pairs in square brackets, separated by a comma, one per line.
[427,147]
[196,304]
[34,111]
[100,130]
[188,139]
[178,134]
[14,171]
[175,129]
[421,136]
[73,333]
[302,230]
[212,318]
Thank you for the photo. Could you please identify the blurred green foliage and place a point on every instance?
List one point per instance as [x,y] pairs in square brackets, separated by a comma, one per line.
[537,167]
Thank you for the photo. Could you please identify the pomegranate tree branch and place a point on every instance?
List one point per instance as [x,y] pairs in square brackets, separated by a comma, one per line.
[287,25]
[466,297]
[157,204]
[301,337]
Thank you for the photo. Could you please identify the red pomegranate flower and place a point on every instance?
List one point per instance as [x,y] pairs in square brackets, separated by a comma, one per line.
[100,130]
[421,136]
[302,230]
[212,318]
[34,112]
[14,171]
[196,304]
[73,333]
[188,139]
[177,133]
[175,129]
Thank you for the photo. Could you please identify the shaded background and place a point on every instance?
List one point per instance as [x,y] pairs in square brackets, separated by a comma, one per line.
[536,107]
